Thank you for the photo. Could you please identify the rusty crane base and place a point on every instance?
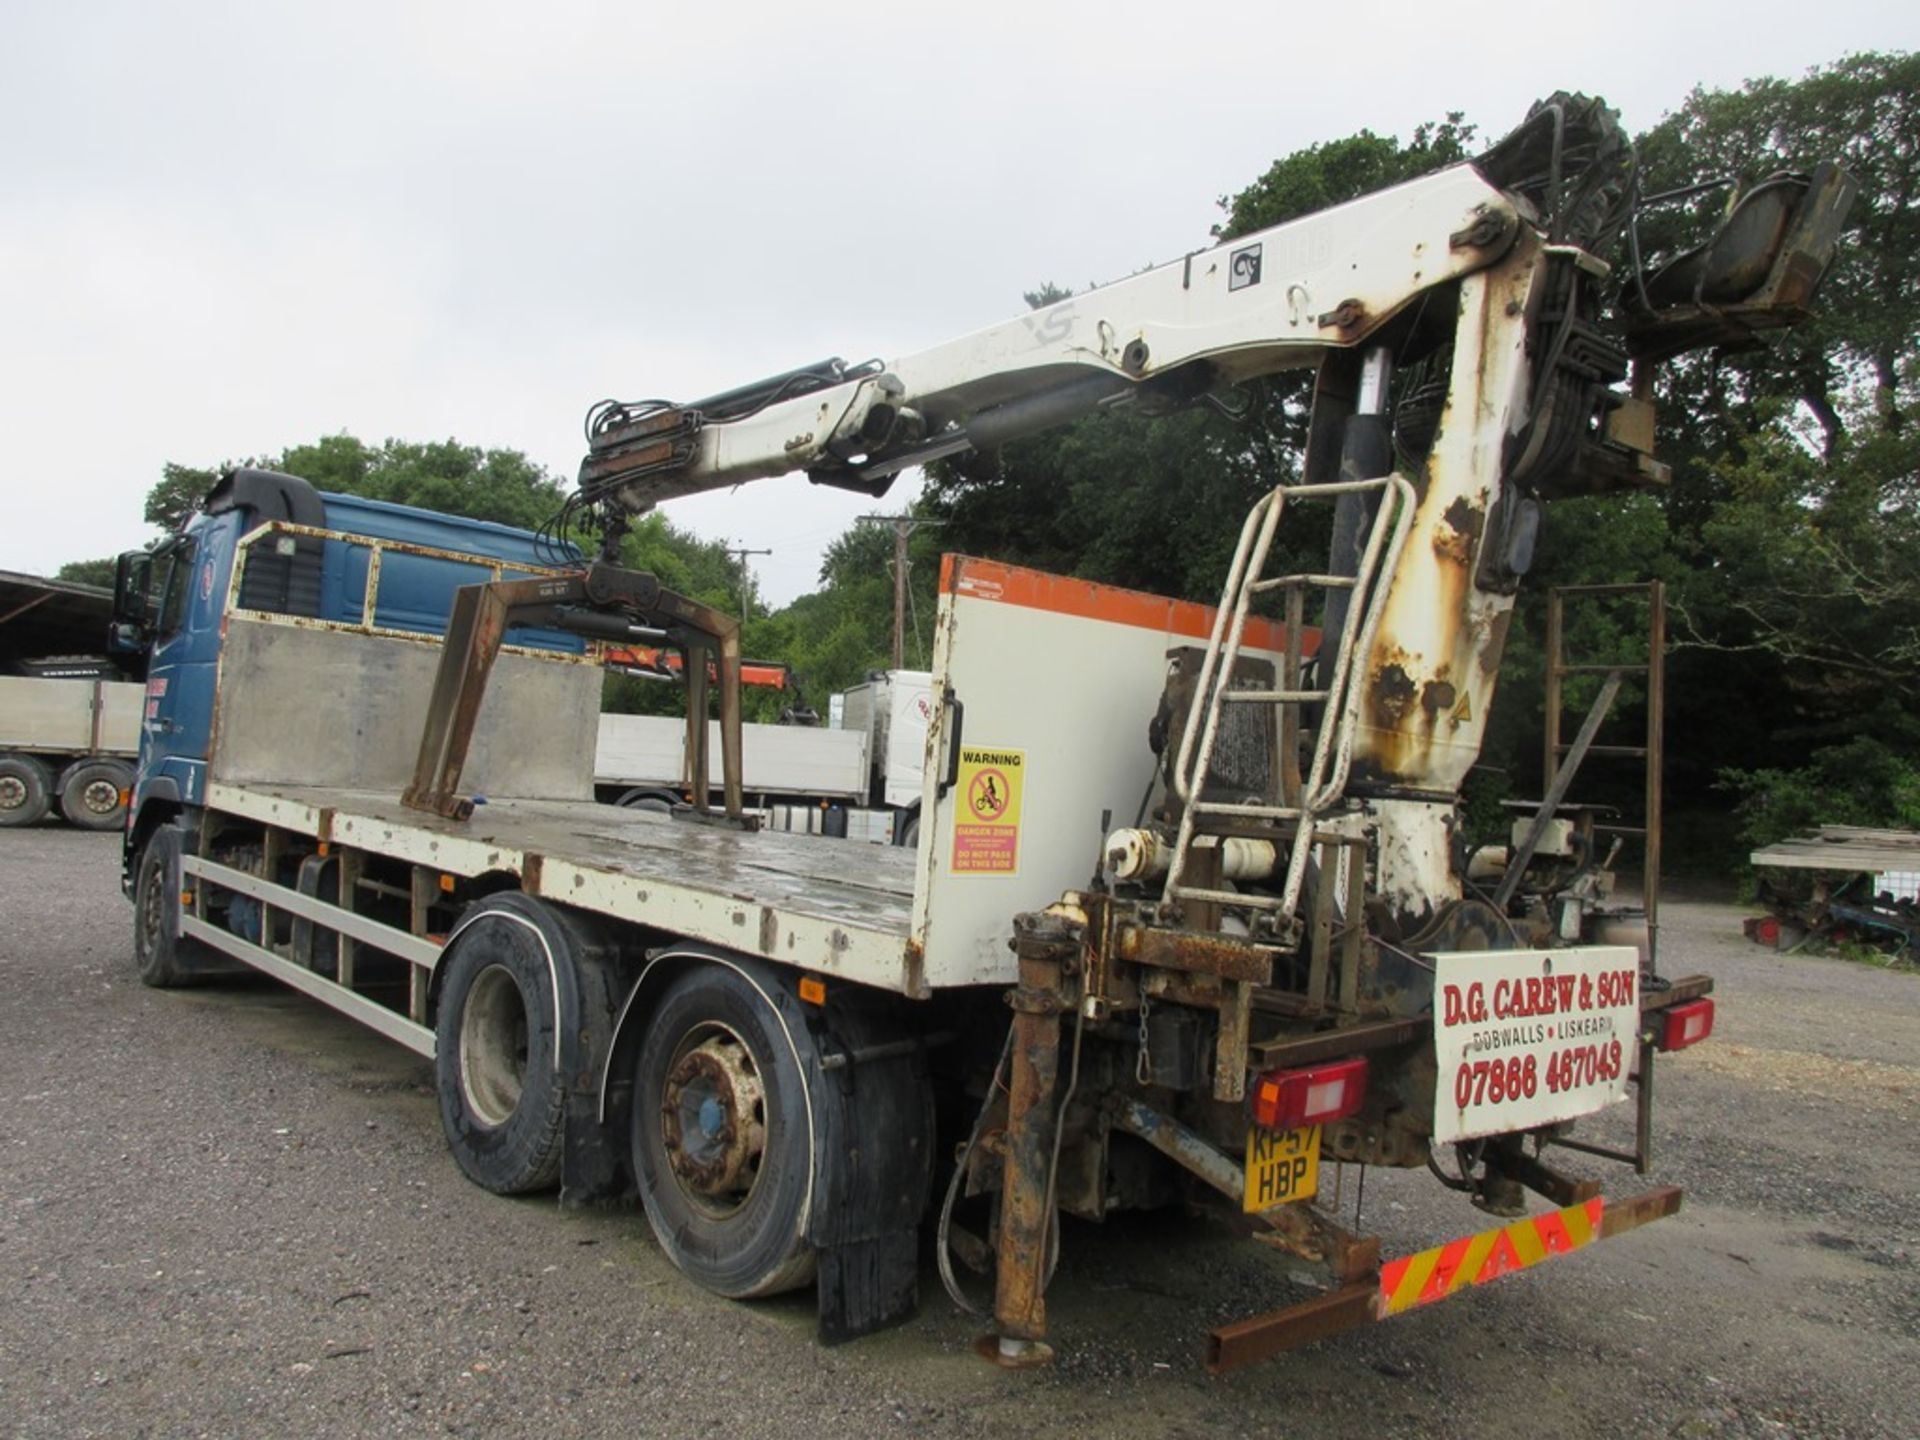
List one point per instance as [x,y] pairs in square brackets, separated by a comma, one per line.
[602,602]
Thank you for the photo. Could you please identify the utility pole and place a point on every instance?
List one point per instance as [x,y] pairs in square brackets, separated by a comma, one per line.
[740,553]
[903,528]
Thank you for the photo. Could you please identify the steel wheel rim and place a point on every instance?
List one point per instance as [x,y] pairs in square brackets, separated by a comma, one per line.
[494,1038]
[713,1119]
[152,914]
[101,797]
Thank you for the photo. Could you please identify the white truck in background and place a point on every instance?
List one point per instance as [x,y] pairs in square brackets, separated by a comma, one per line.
[858,778]
[69,721]
[70,743]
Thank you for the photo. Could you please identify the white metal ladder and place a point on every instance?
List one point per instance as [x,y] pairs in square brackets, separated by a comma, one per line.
[1326,778]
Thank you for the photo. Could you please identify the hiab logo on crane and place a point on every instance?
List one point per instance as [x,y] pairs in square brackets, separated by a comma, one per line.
[986,827]
[1051,325]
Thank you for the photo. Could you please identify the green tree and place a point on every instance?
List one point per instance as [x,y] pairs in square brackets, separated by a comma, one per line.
[1341,170]
[499,484]
[1858,782]
[706,571]
[1794,512]
[1864,112]
[838,634]
[98,573]
[178,494]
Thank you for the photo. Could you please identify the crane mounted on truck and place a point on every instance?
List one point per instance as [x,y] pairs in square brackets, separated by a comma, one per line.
[1283,957]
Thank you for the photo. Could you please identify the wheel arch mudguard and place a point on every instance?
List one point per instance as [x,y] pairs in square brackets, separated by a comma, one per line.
[870,1116]
[156,801]
[585,972]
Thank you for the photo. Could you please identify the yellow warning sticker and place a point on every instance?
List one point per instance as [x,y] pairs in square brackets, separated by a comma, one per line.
[986,823]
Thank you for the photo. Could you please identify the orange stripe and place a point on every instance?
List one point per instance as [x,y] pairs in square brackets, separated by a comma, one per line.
[1391,1274]
[1501,1257]
[770,673]
[1446,1271]
[1552,1231]
[1063,595]
[1583,1221]
[1473,1264]
[1411,1281]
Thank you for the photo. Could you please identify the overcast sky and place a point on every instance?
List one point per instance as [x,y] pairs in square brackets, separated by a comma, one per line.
[227,228]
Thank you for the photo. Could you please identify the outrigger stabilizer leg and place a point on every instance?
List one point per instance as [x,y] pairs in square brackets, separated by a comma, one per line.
[1047,947]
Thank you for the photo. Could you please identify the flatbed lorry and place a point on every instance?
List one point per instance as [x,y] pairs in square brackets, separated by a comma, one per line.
[857,777]
[1206,856]
[67,743]
[69,719]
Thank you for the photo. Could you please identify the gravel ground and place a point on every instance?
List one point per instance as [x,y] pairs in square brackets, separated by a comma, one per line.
[228,1211]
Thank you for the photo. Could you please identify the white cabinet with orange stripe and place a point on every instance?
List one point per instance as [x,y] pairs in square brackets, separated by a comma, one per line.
[1051,682]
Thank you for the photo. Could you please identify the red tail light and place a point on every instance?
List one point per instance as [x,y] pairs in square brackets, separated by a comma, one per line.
[1289,1099]
[1685,1025]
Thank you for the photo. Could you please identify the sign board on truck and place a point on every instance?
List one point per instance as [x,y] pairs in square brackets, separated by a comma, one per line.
[1528,1037]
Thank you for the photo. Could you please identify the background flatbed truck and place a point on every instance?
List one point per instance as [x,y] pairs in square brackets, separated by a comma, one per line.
[69,719]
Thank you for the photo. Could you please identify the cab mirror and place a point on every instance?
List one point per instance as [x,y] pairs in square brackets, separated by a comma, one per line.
[133,597]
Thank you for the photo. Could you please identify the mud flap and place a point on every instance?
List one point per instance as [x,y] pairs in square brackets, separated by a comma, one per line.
[594,1168]
[873,1124]
[868,1285]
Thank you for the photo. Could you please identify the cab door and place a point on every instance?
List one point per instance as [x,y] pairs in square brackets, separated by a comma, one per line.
[177,724]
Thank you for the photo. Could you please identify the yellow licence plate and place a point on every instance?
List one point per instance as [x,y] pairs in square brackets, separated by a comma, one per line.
[1282,1165]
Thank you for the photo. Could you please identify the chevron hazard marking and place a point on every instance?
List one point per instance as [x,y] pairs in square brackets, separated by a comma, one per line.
[1475,1259]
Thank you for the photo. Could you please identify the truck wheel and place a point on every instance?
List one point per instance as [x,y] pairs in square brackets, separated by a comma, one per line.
[92,791]
[640,798]
[723,1138]
[163,956]
[500,1096]
[26,790]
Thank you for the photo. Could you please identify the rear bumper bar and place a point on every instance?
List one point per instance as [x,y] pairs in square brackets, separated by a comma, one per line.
[1435,1274]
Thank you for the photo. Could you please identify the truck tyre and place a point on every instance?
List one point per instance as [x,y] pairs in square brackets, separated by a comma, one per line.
[163,956]
[501,1097]
[723,1136]
[26,790]
[92,794]
[641,798]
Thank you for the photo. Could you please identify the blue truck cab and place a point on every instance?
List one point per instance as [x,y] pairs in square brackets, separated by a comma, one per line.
[316,563]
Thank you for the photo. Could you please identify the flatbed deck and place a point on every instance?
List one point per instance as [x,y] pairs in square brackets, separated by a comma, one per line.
[832,906]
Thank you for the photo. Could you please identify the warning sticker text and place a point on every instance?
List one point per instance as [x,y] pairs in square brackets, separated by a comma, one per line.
[986,822]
